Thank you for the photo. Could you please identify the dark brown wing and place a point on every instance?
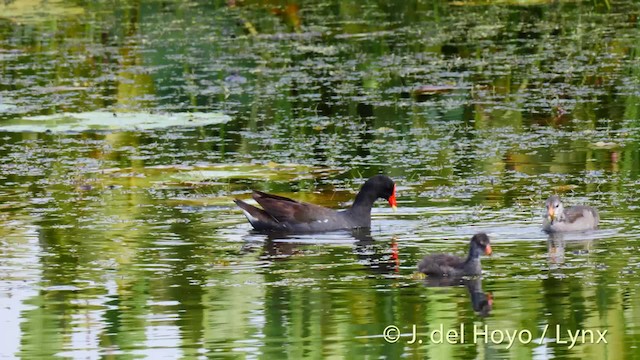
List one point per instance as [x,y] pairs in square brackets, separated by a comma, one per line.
[287,210]
[259,218]
[441,264]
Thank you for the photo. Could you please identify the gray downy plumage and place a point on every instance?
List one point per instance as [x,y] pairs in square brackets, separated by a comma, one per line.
[557,218]
[441,265]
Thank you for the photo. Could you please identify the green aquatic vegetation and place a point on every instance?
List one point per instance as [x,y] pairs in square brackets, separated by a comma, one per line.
[120,237]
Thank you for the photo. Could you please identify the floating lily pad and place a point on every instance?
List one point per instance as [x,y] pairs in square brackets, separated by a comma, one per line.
[564,188]
[110,121]
[179,175]
[36,11]
[433,89]
[501,2]
[605,145]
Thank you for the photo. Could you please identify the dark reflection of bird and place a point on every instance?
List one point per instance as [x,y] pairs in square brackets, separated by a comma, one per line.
[481,302]
[575,218]
[439,265]
[379,256]
[286,215]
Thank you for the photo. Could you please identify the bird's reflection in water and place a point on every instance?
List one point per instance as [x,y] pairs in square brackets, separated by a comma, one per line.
[555,248]
[481,302]
[557,243]
[381,257]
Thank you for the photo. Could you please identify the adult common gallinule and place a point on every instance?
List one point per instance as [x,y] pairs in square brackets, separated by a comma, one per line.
[450,265]
[283,214]
[575,218]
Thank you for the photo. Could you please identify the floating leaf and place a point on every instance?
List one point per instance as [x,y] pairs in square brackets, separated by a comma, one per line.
[110,121]
[564,188]
[35,11]
[433,89]
[180,175]
[605,145]
[384,129]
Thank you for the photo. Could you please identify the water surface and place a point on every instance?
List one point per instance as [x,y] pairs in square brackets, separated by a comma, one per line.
[125,243]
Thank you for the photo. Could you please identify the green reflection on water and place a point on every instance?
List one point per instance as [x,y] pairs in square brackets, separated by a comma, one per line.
[478,111]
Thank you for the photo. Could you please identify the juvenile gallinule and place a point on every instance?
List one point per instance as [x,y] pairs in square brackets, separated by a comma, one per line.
[575,218]
[283,214]
[438,265]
